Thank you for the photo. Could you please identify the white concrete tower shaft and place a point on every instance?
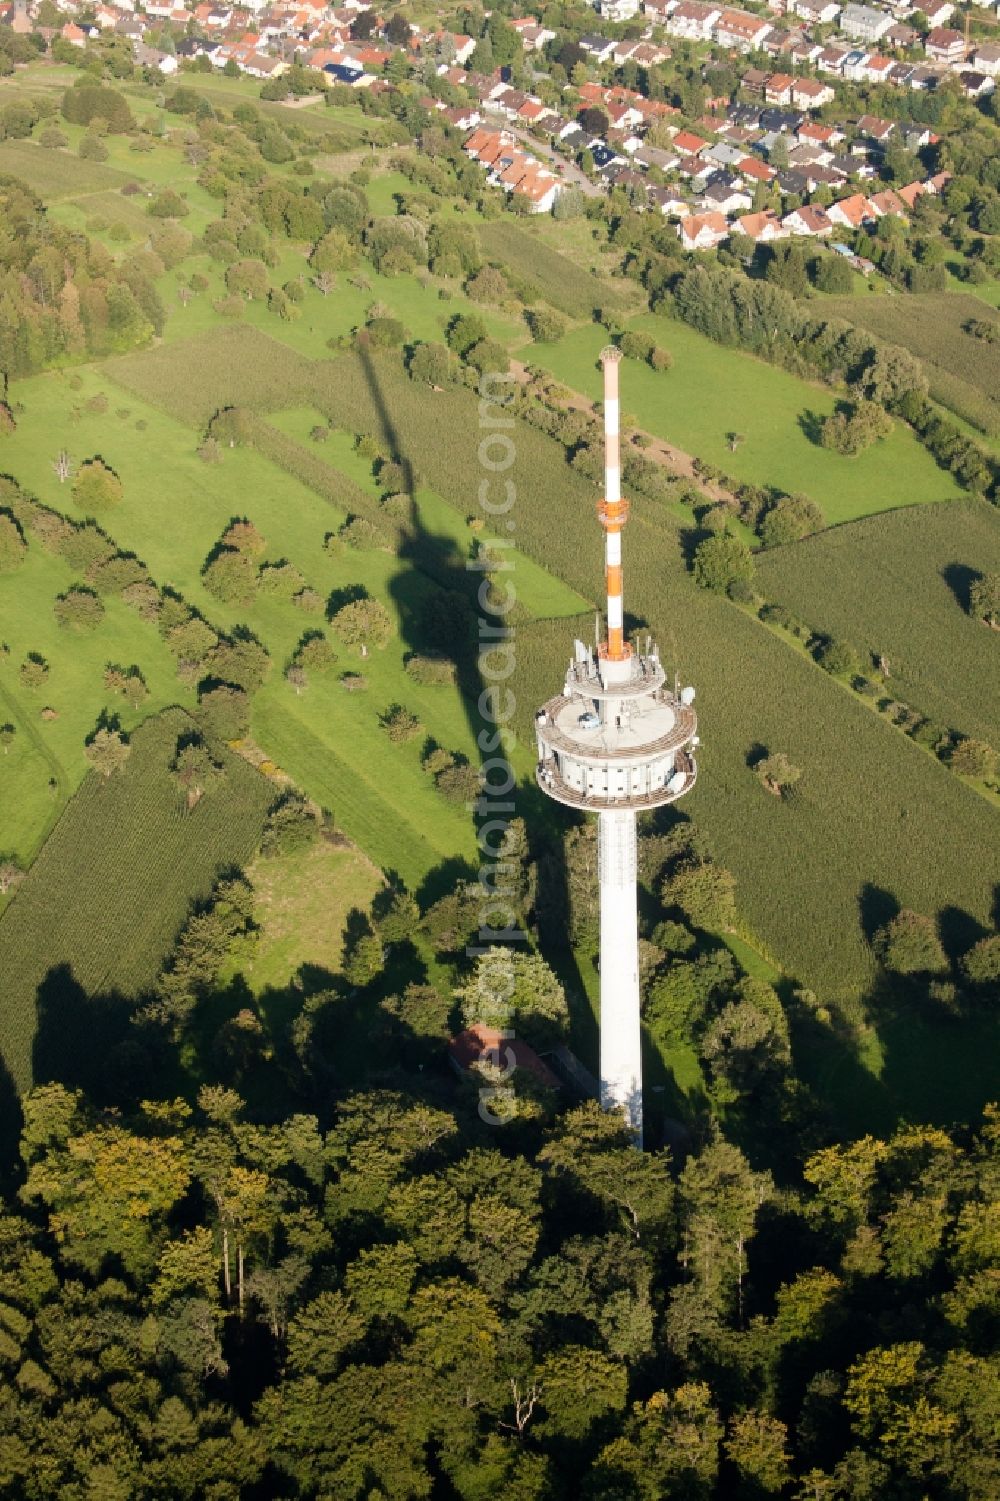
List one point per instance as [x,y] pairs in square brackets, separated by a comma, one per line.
[621,1047]
[621,1038]
[616,741]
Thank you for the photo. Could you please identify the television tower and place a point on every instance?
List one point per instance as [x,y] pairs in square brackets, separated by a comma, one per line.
[617,741]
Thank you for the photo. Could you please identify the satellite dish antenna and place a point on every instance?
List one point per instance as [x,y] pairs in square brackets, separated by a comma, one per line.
[687,696]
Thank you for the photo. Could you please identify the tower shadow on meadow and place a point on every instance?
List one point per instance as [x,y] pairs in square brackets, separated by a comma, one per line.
[452,626]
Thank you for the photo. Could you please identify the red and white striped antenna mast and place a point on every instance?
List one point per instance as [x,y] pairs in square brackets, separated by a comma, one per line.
[612,511]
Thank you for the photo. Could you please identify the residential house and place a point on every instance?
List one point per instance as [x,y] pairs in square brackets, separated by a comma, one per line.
[879,67]
[888,202]
[810,93]
[669,202]
[723,154]
[781,119]
[853,212]
[533,37]
[815,12]
[875,129]
[831,60]
[753,81]
[975,85]
[863,23]
[739,29]
[726,198]
[694,20]
[911,192]
[808,220]
[152,58]
[937,11]
[688,144]
[900,37]
[986,58]
[815,134]
[703,231]
[856,65]
[752,170]
[617,10]
[778,89]
[762,228]
[655,156]
[804,53]
[944,45]
[600,48]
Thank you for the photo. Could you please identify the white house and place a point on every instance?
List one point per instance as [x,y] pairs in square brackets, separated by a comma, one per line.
[703,231]
[693,20]
[863,23]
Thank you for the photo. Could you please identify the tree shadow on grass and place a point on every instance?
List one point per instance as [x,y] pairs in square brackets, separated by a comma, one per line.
[960,578]
[811,426]
[11,1122]
[876,907]
[88,1042]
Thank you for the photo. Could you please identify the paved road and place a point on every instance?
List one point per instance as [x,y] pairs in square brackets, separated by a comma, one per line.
[567,169]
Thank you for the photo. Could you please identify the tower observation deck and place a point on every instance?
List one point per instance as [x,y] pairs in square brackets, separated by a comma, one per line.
[617,741]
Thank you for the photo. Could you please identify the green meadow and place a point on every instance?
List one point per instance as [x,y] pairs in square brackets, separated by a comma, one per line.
[711,391]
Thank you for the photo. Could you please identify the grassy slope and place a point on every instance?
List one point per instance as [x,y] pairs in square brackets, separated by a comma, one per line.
[557,278]
[390,806]
[75,690]
[711,391]
[888,583]
[114,882]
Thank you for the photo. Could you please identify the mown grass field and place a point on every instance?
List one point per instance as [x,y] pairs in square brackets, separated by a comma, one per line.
[964,371]
[897,585]
[102,903]
[711,391]
[302,903]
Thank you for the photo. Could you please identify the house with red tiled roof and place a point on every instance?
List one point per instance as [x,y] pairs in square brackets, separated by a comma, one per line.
[71,33]
[778,88]
[809,93]
[703,231]
[810,219]
[754,170]
[852,212]
[944,45]
[888,202]
[762,228]
[912,192]
[481,1046]
[815,134]
[688,144]
[739,29]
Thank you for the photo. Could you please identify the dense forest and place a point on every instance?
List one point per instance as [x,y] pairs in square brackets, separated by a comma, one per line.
[312,1277]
